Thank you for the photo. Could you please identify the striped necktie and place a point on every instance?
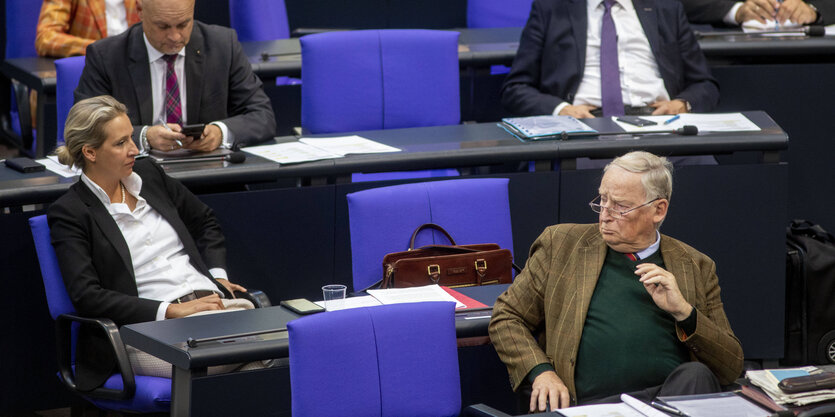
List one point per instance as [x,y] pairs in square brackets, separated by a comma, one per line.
[173,111]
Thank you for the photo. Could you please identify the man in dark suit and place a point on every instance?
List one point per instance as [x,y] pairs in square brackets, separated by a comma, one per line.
[733,13]
[171,68]
[557,69]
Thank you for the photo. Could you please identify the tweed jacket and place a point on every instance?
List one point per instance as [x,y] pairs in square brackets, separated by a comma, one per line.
[540,318]
[66,27]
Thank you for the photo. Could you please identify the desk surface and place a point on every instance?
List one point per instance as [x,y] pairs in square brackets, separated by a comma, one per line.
[425,148]
[166,339]
[477,47]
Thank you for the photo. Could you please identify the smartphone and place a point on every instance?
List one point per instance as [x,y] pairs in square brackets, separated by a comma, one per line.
[636,121]
[194,130]
[302,306]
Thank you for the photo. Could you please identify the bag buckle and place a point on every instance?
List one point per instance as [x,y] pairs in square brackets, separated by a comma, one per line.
[480,267]
[434,272]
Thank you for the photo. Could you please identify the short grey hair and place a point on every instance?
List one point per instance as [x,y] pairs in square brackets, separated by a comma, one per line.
[85,126]
[658,172]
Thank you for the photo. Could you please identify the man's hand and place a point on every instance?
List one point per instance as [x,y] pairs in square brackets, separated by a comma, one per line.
[209,140]
[163,139]
[177,310]
[547,389]
[796,11]
[663,288]
[759,10]
[669,107]
[230,286]
[580,111]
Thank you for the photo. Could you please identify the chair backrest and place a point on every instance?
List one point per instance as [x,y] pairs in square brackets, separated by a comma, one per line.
[21,26]
[259,20]
[393,360]
[382,219]
[379,79]
[56,293]
[497,13]
[67,74]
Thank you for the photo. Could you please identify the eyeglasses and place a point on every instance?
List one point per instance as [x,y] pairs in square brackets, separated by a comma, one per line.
[615,213]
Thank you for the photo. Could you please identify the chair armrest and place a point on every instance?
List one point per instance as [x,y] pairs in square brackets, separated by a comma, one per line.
[257,297]
[482,410]
[63,335]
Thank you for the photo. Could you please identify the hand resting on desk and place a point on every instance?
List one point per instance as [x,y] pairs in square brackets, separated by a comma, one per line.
[548,388]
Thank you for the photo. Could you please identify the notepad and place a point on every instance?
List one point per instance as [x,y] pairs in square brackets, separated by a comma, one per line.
[315,149]
[545,127]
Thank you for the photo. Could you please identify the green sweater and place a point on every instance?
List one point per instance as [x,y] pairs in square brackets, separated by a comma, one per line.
[628,343]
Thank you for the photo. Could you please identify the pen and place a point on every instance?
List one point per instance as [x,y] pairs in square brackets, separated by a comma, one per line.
[666,408]
[165,125]
[672,119]
[776,19]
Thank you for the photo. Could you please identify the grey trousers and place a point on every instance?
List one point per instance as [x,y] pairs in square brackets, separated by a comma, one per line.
[687,379]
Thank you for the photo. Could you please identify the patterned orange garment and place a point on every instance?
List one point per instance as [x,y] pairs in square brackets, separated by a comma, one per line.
[66,27]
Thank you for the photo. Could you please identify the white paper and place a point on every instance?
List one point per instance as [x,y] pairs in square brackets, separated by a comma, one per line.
[713,122]
[641,406]
[353,302]
[344,145]
[601,410]
[753,26]
[414,295]
[731,405]
[51,163]
[290,152]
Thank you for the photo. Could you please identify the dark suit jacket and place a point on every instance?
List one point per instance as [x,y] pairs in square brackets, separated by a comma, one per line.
[220,84]
[714,11]
[550,62]
[540,318]
[96,264]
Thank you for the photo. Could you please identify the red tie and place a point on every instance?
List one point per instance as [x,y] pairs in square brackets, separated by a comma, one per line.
[632,256]
[173,112]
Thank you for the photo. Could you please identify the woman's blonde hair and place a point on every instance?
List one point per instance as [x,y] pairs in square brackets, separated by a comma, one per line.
[85,126]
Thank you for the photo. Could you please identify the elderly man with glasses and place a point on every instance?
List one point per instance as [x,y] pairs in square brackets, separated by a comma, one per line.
[616,307]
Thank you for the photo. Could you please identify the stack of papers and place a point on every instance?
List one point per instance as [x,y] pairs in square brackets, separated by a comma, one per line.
[409,295]
[768,379]
[714,122]
[544,127]
[315,149]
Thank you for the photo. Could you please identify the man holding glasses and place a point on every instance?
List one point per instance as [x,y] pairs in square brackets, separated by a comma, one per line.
[616,307]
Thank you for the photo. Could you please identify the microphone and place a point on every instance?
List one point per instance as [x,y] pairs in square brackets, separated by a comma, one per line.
[810,31]
[686,130]
[238,156]
[233,158]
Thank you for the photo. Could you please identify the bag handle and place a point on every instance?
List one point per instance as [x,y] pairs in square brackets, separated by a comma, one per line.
[429,226]
[807,228]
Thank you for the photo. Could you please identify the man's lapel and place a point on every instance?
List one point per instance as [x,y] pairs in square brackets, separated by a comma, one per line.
[648,16]
[592,253]
[676,262]
[140,73]
[194,75]
[577,11]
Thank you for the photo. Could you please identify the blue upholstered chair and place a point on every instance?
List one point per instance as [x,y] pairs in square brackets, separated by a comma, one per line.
[380,79]
[21,24]
[497,13]
[382,219]
[122,391]
[68,72]
[261,20]
[393,360]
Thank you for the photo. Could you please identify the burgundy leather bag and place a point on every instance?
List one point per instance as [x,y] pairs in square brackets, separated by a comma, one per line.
[448,265]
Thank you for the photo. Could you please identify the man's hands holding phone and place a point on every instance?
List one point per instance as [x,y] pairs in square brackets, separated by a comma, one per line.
[172,136]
